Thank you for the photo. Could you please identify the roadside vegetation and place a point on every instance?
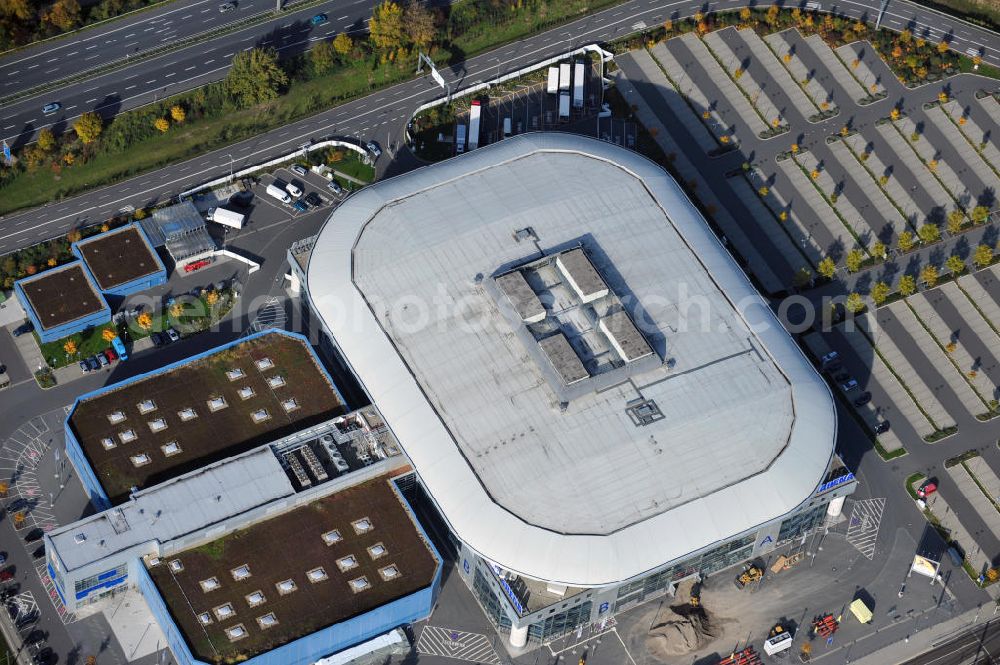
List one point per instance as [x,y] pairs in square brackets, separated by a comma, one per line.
[51,253]
[23,21]
[262,92]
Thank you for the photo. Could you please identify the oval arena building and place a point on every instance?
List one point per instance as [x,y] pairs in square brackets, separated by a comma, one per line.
[591,391]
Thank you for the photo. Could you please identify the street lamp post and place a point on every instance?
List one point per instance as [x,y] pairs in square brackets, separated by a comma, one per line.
[230,167]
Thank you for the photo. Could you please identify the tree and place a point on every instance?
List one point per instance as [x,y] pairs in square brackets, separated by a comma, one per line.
[763,190]
[144,320]
[162,124]
[177,113]
[955,264]
[992,574]
[854,303]
[64,15]
[955,219]
[140,213]
[255,77]
[929,233]
[323,57]
[343,44]
[212,297]
[421,27]
[88,127]
[879,249]
[69,347]
[386,27]
[950,347]
[73,235]
[880,292]
[827,268]
[108,335]
[854,259]
[905,241]
[979,214]
[176,310]
[745,14]
[907,285]
[929,276]
[942,47]
[802,277]
[46,139]
[894,114]
[19,9]
[983,255]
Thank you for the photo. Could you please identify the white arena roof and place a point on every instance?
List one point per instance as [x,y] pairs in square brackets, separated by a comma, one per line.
[724,427]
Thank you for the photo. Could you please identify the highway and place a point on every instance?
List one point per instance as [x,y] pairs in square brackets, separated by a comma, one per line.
[291,33]
[381,115]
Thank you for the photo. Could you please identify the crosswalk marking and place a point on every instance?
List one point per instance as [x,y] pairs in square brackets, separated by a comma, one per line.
[862,528]
[468,647]
[270,315]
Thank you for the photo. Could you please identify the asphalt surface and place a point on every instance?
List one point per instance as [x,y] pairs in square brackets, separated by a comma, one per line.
[291,33]
[976,647]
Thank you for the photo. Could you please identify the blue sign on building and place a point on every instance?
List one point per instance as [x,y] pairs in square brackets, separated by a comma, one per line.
[830,484]
[603,608]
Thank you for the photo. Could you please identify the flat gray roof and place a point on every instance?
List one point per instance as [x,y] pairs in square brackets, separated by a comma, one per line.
[575,492]
[563,358]
[623,332]
[581,272]
[525,302]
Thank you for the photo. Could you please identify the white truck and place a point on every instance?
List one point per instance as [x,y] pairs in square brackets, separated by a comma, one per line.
[553,83]
[578,75]
[563,106]
[278,193]
[564,77]
[460,138]
[226,217]
[474,112]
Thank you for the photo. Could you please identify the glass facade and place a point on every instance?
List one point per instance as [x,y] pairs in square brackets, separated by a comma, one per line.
[799,525]
[489,601]
[99,584]
[559,624]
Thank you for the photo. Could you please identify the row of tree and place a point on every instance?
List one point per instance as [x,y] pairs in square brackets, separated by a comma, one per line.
[25,21]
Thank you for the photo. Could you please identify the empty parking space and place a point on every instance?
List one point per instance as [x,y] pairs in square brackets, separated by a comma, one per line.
[767,71]
[766,222]
[878,212]
[983,506]
[680,109]
[950,522]
[865,154]
[806,207]
[972,121]
[990,104]
[935,371]
[799,61]
[859,57]
[837,194]
[944,168]
[702,67]
[904,168]
[737,67]
[983,289]
[847,81]
[971,158]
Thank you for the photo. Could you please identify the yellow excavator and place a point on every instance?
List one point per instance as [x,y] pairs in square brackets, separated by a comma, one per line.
[750,575]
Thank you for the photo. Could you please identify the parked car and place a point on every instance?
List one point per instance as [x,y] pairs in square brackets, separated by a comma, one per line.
[39,552]
[92,363]
[84,367]
[335,187]
[158,339]
[172,335]
[20,503]
[24,328]
[849,385]
[227,7]
[882,427]
[313,199]
[33,535]
[928,488]
[863,399]
[374,149]
[51,107]
[956,555]
[319,19]
[299,170]
[44,657]
[294,189]
[110,355]
[300,206]
[829,358]
[6,575]
[101,360]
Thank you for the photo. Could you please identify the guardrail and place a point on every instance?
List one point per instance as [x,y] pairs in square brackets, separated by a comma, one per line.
[274,162]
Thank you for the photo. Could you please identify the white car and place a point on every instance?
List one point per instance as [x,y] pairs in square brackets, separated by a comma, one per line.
[172,334]
[294,190]
[374,149]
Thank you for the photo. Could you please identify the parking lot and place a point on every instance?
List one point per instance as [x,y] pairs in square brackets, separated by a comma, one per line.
[309,184]
[805,154]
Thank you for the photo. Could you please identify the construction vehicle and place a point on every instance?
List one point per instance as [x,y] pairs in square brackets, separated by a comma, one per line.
[745,657]
[778,640]
[751,575]
[696,594]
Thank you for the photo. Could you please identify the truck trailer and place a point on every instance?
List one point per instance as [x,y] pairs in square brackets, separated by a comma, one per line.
[578,75]
[563,106]
[564,77]
[553,83]
[460,138]
[226,217]
[474,112]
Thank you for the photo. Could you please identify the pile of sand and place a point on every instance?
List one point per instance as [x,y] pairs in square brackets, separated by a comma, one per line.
[679,630]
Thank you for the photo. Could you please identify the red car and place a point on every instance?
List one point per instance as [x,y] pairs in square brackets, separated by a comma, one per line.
[6,575]
[110,355]
[926,490]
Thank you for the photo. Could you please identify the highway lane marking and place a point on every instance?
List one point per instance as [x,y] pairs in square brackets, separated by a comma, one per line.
[32,66]
[170,74]
[150,81]
[208,62]
[8,127]
[191,67]
[73,53]
[131,34]
[90,47]
[51,60]
[341,18]
[92,57]
[130,87]
[16,71]
[49,71]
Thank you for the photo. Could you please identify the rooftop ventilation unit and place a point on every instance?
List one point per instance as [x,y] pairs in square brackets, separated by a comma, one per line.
[80,538]
[204,618]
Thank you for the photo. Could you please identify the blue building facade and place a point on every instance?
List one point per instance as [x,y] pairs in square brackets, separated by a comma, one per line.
[74,451]
[53,333]
[155,278]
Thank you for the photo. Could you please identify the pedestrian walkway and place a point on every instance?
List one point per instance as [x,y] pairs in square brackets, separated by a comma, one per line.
[863,525]
[457,644]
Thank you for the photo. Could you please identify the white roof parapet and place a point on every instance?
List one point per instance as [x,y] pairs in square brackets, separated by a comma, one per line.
[581,275]
[624,336]
[581,496]
[521,297]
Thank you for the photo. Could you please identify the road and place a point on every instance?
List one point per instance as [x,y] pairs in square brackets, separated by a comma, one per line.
[291,33]
[976,647]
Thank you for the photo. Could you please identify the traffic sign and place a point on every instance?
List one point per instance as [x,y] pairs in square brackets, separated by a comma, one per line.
[6,152]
